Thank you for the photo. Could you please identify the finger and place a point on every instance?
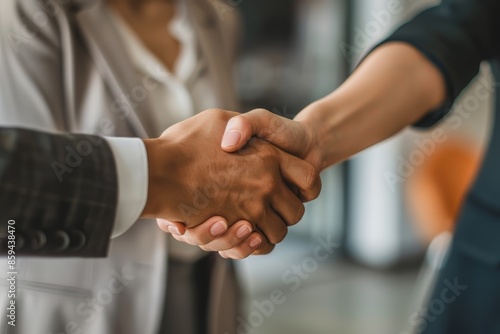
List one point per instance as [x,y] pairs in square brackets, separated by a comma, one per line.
[175,228]
[287,205]
[272,226]
[254,244]
[204,233]
[264,248]
[302,175]
[237,233]
[286,134]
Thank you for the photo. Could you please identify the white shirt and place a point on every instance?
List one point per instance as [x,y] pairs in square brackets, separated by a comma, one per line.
[132,170]
[178,96]
[185,91]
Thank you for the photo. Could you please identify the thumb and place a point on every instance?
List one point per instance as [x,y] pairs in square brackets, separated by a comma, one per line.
[288,135]
[239,130]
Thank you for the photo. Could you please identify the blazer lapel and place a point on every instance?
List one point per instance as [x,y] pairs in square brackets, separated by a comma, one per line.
[207,26]
[112,61]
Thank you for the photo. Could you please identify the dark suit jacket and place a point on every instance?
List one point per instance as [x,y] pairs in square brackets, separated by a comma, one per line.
[457,36]
[61,191]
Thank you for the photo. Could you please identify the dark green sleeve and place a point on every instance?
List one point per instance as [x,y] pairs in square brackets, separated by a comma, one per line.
[61,191]
[456,36]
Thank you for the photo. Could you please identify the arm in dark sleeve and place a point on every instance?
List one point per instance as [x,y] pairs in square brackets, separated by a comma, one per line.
[61,191]
[456,36]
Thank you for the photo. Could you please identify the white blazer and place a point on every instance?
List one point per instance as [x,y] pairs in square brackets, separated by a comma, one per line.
[49,56]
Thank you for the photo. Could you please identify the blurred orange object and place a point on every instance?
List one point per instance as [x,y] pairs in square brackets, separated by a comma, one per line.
[437,188]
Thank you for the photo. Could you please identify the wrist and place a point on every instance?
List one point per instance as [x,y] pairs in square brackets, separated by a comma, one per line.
[312,119]
[164,165]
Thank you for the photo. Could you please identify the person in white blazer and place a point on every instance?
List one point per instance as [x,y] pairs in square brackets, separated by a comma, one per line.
[81,66]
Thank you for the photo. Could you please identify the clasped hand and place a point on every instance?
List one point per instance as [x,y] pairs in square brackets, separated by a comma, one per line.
[233,182]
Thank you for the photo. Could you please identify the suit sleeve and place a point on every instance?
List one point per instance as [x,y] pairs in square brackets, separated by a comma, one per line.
[59,192]
[456,36]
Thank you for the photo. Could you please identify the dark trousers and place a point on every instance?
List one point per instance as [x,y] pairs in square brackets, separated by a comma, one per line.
[466,299]
[187,297]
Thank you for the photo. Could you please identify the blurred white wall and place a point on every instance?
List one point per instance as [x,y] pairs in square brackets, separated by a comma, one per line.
[380,232]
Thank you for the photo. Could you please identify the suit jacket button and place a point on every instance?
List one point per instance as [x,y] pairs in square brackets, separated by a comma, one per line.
[77,240]
[58,240]
[37,240]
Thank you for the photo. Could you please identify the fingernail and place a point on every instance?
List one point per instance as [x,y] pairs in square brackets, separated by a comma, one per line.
[218,228]
[231,138]
[173,230]
[255,242]
[243,232]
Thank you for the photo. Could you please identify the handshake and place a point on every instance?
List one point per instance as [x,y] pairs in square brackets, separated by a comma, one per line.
[232,182]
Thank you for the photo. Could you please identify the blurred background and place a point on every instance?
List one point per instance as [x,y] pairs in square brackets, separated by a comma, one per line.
[366,253]
[365,256]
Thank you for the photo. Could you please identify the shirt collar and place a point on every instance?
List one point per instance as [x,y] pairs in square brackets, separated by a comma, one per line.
[146,62]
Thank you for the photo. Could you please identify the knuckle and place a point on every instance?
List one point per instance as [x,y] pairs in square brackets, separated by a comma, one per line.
[257,213]
[265,151]
[264,250]
[261,110]
[279,236]
[311,181]
[301,210]
[269,184]
[221,113]
[214,111]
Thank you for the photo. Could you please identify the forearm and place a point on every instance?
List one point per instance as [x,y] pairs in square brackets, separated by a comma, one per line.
[395,86]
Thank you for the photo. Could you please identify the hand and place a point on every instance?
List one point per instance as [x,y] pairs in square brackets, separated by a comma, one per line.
[225,240]
[294,137]
[291,136]
[192,179]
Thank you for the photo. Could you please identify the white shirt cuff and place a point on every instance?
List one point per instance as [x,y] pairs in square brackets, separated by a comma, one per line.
[132,168]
